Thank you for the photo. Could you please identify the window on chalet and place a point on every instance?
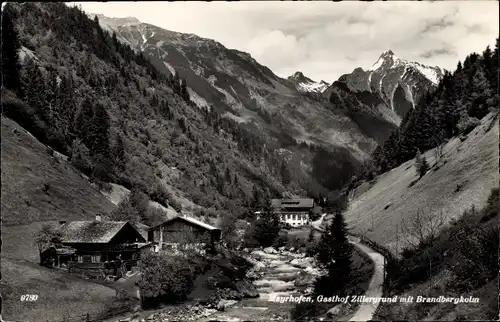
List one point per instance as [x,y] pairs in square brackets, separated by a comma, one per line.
[95,258]
[80,259]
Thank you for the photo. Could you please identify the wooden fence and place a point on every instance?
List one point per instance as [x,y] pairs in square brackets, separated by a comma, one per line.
[101,270]
[390,262]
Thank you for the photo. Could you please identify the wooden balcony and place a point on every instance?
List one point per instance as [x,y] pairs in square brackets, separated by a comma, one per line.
[100,265]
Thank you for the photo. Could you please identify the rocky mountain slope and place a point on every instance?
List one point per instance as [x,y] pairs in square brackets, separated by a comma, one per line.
[282,111]
[391,87]
[305,84]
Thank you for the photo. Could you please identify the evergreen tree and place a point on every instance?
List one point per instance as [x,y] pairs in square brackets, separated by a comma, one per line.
[480,93]
[342,252]
[34,89]
[421,164]
[227,176]
[66,109]
[184,93]
[325,247]
[176,83]
[118,153]
[424,167]
[101,124]
[285,173]
[334,253]
[10,58]
[256,198]
[267,227]
[310,238]
[84,125]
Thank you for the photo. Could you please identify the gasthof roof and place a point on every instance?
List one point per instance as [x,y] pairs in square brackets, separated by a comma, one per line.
[90,231]
[190,220]
[293,203]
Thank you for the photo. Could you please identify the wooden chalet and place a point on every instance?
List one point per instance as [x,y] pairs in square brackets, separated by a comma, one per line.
[102,246]
[183,230]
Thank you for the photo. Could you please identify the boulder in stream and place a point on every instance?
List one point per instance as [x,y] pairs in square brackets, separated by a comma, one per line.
[334,311]
[253,275]
[302,262]
[304,279]
[246,289]
[270,250]
[223,304]
[313,271]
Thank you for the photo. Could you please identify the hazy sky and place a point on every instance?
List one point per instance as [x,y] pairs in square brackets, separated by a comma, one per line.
[327,39]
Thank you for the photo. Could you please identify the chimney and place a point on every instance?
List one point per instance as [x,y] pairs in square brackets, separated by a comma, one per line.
[97,217]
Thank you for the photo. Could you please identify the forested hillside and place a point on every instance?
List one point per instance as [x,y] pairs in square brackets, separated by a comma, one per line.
[92,98]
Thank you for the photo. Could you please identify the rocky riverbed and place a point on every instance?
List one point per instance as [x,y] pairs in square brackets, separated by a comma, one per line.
[275,273]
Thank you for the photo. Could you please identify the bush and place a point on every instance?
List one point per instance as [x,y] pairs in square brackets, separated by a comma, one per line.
[160,194]
[17,110]
[464,248]
[249,240]
[474,263]
[282,240]
[80,157]
[165,279]
[421,164]
[492,206]
[467,124]
[154,216]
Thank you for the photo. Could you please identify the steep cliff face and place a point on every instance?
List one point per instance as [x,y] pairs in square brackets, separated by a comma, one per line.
[391,87]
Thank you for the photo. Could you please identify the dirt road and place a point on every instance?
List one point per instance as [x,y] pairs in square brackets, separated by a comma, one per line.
[366,310]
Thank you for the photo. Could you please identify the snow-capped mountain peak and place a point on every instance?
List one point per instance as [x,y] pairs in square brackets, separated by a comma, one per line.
[299,77]
[305,84]
[126,21]
[392,86]
[388,60]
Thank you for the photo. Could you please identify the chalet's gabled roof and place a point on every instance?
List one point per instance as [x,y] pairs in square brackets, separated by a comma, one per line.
[142,229]
[60,250]
[292,203]
[90,231]
[191,220]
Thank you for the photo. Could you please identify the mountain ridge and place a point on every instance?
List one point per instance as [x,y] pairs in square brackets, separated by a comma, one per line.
[235,84]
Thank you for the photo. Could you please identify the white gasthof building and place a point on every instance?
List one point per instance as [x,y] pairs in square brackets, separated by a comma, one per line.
[294,212]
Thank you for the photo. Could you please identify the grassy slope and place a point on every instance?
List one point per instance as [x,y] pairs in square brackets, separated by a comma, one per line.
[26,167]
[473,164]
[59,295]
